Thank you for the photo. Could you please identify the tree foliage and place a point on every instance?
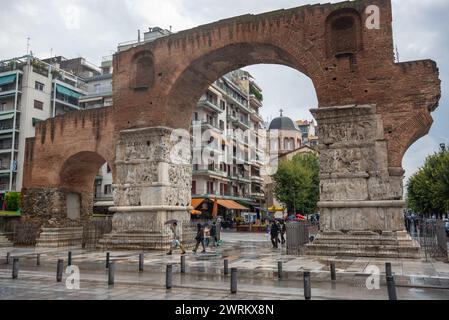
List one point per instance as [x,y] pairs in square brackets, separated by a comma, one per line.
[297,184]
[428,189]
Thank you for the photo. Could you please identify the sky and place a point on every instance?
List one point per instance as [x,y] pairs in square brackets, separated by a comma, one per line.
[93,28]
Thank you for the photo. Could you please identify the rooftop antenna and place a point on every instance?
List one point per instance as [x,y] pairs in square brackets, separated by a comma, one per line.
[397,54]
[28,45]
[170,28]
[138,36]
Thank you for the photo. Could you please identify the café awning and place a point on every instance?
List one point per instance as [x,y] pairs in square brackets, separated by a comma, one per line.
[196,203]
[232,205]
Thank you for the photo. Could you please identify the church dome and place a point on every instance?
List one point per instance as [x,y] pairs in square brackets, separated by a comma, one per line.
[283,123]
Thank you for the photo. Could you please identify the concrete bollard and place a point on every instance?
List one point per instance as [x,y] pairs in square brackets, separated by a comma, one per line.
[111,273]
[388,270]
[307,286]
[15,268]
[38,259]
[333,272]
[226,267]
[280,269]
[169,276]
[59,269]
[183,264]
[8,255]
[233,280]
[391,288]
[107,259]
[69,258]
[141,262]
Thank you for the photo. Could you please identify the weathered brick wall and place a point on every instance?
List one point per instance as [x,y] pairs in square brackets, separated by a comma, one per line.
[65,156]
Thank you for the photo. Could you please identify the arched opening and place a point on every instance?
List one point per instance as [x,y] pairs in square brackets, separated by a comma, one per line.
[142,71]
[219,97]
[344,33]
[79,180]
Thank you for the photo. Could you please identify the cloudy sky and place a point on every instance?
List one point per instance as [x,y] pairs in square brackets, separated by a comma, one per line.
[93,28]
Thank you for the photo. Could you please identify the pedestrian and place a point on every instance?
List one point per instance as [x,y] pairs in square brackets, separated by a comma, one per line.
[283,231]
[274,234]
[213,234]
[175,242]
[199,238]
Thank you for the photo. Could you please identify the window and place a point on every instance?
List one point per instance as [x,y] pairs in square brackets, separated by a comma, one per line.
[2,106]
[222,105]
[39,86]
[108,169]
[38,105]
[108,189]
[193,187]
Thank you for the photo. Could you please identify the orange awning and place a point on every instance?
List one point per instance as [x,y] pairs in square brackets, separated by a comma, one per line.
[230,204]
[196,202]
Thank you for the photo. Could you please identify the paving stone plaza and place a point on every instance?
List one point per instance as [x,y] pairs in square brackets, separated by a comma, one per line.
[251,254]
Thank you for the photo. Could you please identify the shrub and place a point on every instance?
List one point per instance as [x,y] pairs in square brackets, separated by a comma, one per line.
[12,201]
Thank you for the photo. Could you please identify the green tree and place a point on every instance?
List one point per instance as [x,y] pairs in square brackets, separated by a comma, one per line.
[296,183]
[428,189]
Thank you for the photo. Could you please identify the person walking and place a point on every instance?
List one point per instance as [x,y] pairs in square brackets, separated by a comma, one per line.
[199,238]
[274,232]
[283,232]
[175,242]
[213,234]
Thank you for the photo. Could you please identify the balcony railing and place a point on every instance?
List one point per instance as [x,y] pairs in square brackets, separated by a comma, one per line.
[210,105]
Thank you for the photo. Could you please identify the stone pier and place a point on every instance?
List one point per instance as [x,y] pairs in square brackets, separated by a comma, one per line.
[154,177]
[361,197]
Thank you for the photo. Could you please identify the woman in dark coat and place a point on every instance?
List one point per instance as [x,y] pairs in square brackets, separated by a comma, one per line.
[199,238]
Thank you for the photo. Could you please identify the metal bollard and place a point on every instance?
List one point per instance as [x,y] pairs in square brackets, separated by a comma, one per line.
[69,258]
[38,259]
[15,268]
[111,275]
[8,255]
[183,264]
[333,272]
[169,276]
[391,288]
[307,286]
[233,280]
[59,269]
[107,259]
[141,262]
[280,269]
[388,269]
[226,266]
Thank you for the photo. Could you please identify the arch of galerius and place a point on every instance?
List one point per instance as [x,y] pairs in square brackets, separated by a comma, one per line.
[370,110]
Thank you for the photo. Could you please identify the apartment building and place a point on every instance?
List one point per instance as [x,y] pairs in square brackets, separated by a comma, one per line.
[32,90]
[308,132]
[230,109]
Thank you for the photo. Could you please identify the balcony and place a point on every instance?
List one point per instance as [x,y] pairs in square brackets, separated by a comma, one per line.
[210,173]
[240,178]
[103,197]
[205,125]
[242,124]
[257,179]
[209,105]
[257,195]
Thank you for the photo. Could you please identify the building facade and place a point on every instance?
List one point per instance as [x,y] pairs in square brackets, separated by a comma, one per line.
[308,132]
[33,90]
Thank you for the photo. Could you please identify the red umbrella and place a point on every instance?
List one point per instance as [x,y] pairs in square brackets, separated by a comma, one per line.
[301,217]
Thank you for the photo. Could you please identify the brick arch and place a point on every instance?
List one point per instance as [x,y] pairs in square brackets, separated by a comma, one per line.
[189,86]
[77,175]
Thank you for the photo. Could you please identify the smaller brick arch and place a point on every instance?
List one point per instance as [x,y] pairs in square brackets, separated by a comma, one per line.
[77,176]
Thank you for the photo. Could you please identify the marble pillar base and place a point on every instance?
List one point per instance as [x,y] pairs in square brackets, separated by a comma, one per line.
[60,238]
[364,244]
[144,228]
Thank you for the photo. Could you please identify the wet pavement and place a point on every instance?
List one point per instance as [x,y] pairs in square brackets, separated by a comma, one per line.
[204,279]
